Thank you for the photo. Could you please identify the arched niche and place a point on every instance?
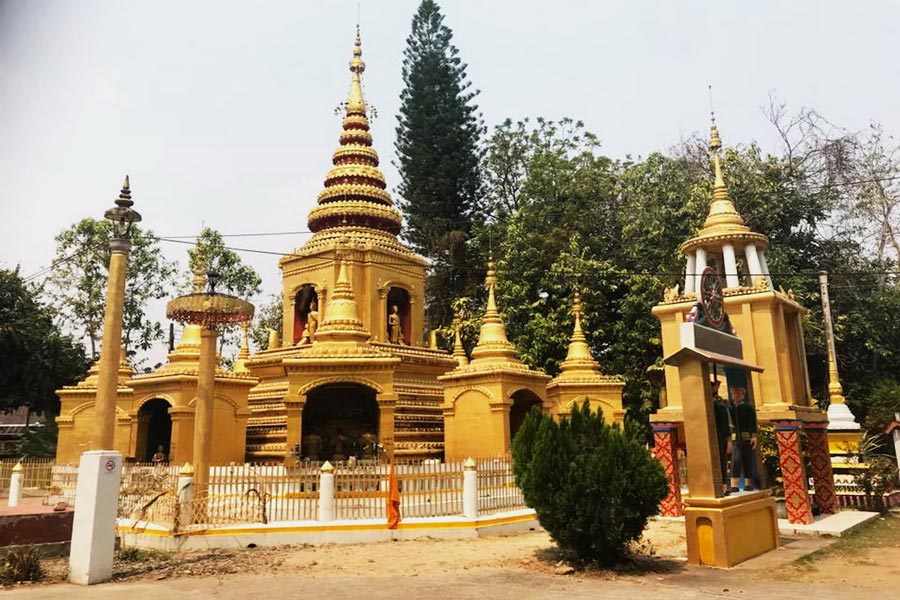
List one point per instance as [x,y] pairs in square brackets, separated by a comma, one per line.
[339,420]
[522,402]
[154,429]
[304,299]
[400,298]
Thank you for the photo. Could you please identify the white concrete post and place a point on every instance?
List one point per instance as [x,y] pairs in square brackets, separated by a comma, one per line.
[689,274]
[699,266]
[185,489]
[470,489]
[15,486]
[326,492]
[754,267]
[731,274]
[94,526]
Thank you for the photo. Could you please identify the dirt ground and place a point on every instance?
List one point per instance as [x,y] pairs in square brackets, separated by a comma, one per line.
[521,566]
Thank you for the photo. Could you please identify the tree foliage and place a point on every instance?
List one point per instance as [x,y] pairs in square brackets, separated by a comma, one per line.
[592,487]
[211,254]
[566,216]
[234,276]
[35,358]
[438,156]
[269,315]
[78,285]
[39,440]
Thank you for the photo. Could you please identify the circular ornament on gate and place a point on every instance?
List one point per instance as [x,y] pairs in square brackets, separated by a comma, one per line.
[110,465]
[711,297]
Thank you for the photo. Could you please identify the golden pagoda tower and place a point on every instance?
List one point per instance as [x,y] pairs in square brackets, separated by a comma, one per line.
[768,322]
[580,378]
[486,400]
[351,363]
[355,209]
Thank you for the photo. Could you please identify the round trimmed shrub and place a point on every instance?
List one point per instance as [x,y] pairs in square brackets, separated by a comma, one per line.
[592,486]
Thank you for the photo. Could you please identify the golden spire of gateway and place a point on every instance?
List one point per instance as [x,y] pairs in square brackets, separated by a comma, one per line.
[723,216]
[355,196]
[723,222]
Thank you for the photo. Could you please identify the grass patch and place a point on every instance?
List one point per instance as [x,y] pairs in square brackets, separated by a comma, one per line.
[883,532]
[133,554]
[21,564]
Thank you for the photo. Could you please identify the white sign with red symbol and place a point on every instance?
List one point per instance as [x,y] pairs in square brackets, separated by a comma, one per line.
[110,465]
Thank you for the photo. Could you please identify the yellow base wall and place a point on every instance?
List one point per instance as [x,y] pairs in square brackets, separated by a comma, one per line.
[723,532]
[840,444]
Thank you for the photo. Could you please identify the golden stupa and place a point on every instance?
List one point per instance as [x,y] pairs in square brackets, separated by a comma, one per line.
[350,373]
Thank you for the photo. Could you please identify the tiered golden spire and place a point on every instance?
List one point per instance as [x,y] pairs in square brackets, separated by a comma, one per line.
[493,345]
[723,221]
[723,216]
[579,359]
[355,194]
[342,322]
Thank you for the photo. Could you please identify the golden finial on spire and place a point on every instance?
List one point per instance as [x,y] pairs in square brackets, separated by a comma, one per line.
[722,213]
[723,221]
[579,357]
[355,103]
[459,353]
[493,345]
[124,198]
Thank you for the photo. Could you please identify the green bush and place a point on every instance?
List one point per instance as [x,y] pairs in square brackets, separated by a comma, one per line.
[592,486]
[21,564]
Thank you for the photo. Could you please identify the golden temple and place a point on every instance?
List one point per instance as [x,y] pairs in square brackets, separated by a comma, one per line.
[351,373]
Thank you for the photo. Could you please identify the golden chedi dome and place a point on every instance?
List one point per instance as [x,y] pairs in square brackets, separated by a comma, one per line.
[355,195]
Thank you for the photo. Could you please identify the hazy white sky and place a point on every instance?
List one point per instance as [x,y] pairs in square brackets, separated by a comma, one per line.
[222,111]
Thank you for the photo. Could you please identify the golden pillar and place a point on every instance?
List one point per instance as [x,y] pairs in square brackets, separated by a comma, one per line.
[108,377]
[293,408]
[387,404]
[203,410]
[209,310]
[123,217]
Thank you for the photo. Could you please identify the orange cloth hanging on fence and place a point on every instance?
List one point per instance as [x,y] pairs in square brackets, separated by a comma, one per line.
[393,500]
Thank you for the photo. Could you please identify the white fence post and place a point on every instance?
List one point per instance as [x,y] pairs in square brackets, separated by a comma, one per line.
[185,489]
[470,489]
[15,486]
[326,492]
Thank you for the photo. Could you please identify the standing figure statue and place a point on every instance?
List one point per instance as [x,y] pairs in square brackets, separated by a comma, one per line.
[395,335]
[312,324]
[743,457]
[723,431]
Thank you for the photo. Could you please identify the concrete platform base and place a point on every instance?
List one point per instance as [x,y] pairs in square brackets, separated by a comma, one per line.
[835,525]
[723,532]
[144,535]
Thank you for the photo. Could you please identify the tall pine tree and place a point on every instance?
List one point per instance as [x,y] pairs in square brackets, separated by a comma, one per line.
[439,155]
